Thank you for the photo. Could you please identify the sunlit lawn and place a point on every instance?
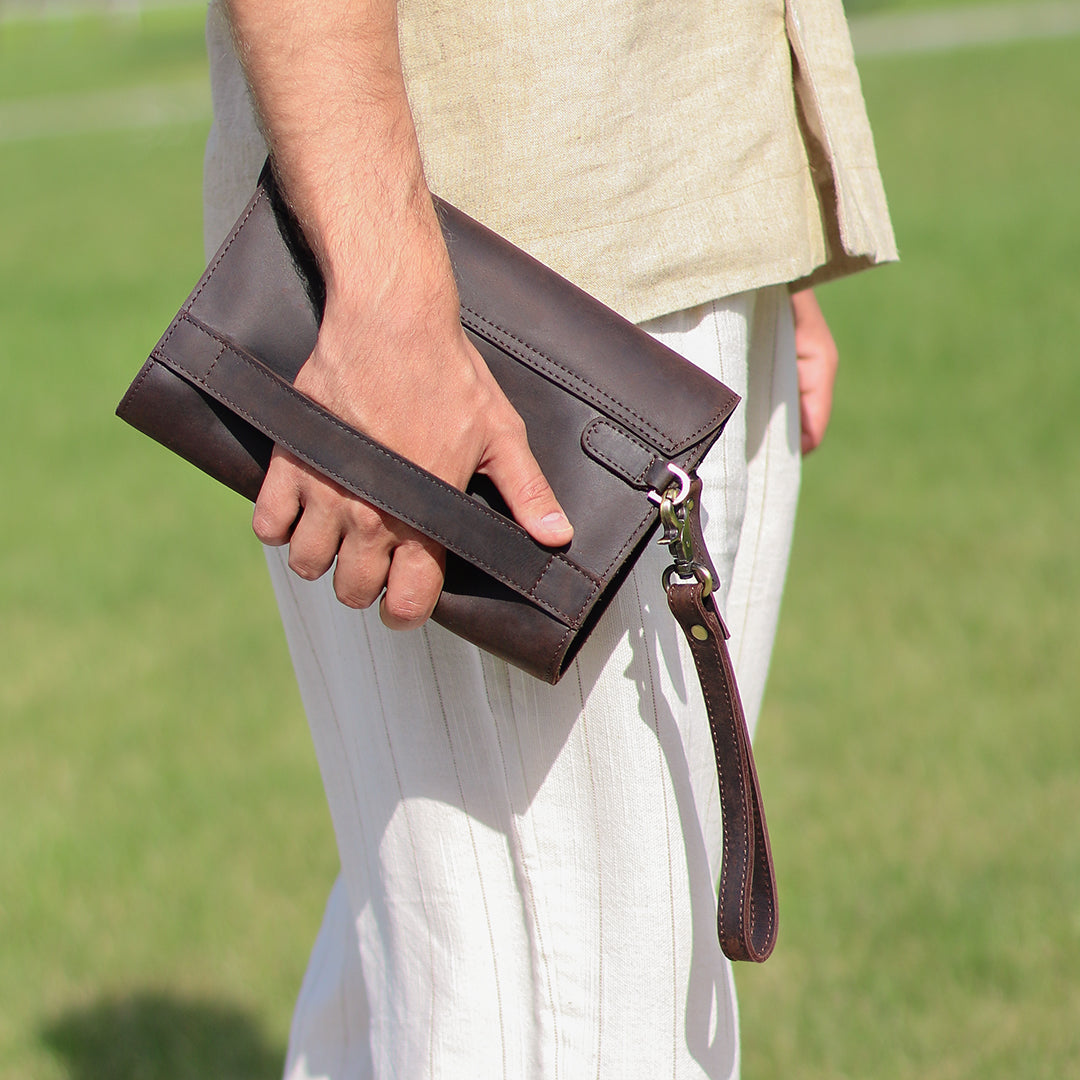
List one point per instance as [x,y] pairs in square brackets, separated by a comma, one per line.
[165,849]
[921,750]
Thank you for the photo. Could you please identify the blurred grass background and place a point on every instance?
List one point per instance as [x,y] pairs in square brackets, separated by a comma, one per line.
[165,850]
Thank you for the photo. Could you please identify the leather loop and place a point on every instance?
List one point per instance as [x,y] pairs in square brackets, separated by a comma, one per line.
[495,544]
[746,919]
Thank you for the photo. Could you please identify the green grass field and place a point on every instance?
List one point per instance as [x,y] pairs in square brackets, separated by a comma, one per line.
[921,752]
[165,848]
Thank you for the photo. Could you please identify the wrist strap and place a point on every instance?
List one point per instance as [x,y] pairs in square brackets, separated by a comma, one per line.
[465,526]
[746,910]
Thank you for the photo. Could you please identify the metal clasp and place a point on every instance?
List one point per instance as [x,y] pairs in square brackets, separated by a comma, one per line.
[677,515]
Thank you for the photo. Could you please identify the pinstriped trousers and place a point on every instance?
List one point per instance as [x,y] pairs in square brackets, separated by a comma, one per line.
[528,872]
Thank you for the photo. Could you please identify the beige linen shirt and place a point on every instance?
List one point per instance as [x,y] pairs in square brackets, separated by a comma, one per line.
[659,153]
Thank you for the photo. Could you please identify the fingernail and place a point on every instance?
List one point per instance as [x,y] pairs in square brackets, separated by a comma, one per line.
[555,521]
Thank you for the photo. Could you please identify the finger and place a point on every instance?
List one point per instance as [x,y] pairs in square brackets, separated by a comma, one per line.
[314,543]
[413,584]
[515,472]
[808,440]
[361,571]
[278,502]
[814,410]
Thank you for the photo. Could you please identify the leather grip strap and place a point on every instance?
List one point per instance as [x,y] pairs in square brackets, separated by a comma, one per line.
[746,919]
[369,470]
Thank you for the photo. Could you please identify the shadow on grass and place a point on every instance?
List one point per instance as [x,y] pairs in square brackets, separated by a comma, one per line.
[154,1036]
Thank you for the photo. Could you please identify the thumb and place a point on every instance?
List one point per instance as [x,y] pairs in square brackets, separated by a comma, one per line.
[517,475]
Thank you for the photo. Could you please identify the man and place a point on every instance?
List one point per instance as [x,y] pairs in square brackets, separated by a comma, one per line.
[528,871]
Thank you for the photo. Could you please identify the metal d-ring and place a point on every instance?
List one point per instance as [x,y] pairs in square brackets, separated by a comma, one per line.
[677,516]
[683,478]
[697,571]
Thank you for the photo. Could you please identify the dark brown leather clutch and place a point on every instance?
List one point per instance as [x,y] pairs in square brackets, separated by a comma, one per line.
[608,410]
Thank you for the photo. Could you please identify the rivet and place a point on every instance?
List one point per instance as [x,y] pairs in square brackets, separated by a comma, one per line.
[699,632]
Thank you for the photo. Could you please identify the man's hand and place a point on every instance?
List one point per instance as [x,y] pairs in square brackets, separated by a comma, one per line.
[818,359]
[391,358]
[453,420]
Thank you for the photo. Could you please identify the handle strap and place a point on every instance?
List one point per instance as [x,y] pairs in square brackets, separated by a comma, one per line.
[461,524]
[746,909]
[746,913]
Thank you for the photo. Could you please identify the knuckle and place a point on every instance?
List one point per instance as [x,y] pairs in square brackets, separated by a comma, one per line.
[411,598]
[266,524]
[361,519]
[534,490]
[306,567]
[355,588]
[353,598]
[260,526]
[511,425]
[405,610]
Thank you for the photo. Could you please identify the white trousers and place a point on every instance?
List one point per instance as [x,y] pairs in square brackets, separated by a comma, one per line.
[528,872]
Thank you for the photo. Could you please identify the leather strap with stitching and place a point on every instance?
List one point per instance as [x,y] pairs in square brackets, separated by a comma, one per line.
[746,919]
[461,524]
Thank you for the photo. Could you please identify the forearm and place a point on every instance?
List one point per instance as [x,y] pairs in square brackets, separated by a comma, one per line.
[391,357]
[327,81]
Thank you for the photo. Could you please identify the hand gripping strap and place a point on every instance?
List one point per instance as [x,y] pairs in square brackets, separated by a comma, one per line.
[369,470]
[746,913]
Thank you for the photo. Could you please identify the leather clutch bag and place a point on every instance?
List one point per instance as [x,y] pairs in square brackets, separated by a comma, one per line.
[617,421]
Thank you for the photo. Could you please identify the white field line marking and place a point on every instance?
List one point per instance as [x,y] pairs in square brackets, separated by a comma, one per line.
[890,33]
[15,11]
[160,105]
[136,108]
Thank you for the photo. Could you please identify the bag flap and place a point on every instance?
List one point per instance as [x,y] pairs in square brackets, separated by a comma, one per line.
[507,297]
